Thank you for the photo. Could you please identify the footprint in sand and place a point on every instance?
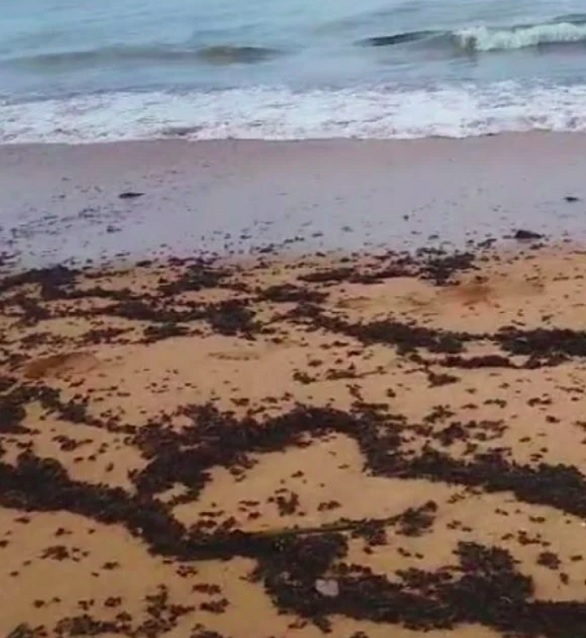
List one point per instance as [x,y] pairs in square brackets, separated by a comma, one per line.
[58,364]
[474,293]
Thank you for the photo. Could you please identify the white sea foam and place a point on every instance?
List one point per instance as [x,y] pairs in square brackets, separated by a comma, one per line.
[482,38]
[281,114]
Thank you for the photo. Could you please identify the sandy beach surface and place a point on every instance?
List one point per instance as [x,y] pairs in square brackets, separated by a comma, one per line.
[59,203]
[276,446]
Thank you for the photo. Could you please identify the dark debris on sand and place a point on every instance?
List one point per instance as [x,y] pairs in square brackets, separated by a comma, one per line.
[523,234]
[434,265]
[482,586]
[485,588]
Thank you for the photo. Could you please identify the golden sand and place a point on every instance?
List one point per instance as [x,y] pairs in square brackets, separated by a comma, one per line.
[66,572]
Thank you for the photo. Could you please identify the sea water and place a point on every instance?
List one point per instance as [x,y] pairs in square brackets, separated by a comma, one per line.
[81,71]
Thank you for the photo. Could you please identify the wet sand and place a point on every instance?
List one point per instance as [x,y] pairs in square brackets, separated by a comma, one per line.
[63,202]
[279,446]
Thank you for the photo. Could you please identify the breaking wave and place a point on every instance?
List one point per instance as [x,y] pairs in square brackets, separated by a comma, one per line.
[562,31]
[486,39]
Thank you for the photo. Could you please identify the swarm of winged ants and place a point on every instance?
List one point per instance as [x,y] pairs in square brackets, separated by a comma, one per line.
[306,571]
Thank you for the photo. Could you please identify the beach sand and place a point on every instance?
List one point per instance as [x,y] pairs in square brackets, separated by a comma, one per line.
[59,203]
[271,446]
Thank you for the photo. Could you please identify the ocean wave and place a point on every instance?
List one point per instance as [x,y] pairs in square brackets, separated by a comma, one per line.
[216,54]
[400,38]
[485,39]
[226,54]
[281,114]
[564,30]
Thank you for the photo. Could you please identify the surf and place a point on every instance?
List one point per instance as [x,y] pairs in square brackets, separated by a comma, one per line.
[485,38]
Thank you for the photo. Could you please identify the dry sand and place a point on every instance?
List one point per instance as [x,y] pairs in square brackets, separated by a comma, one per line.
[286,447]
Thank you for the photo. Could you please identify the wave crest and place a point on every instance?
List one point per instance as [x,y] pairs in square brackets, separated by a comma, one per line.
[483,39]
[570,29]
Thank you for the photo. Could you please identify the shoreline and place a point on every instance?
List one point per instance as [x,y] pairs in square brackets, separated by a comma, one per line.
[237,197]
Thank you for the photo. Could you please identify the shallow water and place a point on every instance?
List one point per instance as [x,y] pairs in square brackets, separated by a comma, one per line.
[82,71]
